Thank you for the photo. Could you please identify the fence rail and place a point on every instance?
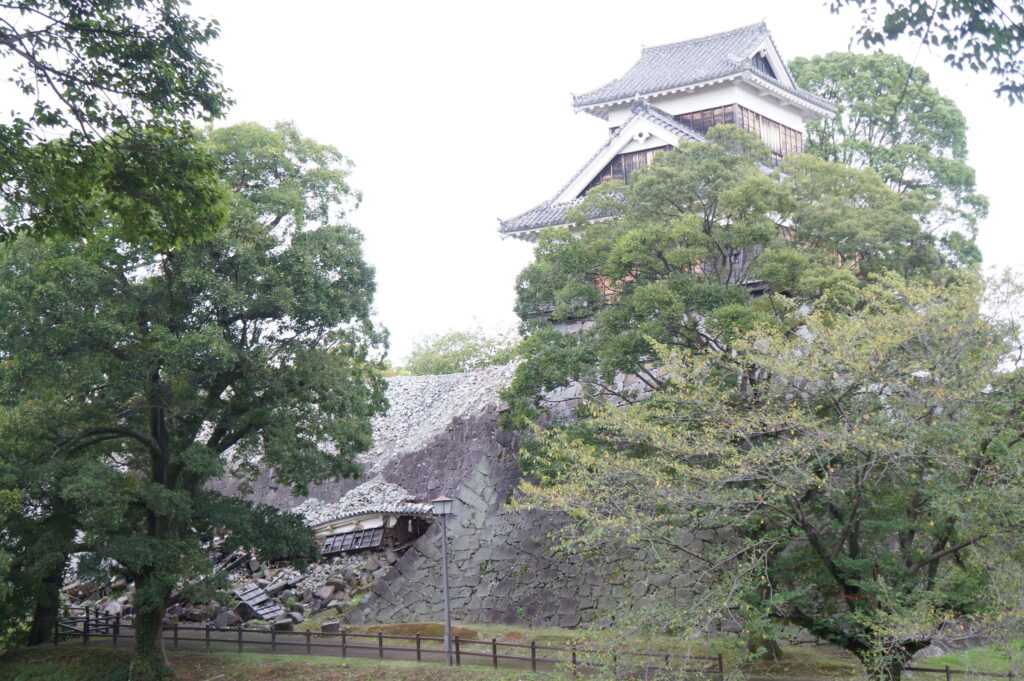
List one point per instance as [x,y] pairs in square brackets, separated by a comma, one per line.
[950,673]
[90,626]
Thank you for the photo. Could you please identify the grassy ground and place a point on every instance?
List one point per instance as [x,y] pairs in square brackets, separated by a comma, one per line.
[69,663]
[998,659]
[75,663]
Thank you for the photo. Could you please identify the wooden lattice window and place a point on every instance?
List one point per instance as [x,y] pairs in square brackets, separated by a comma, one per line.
[620,167]
[352,541]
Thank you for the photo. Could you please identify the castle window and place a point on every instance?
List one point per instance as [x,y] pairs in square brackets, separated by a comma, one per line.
[779,138]
[620,167]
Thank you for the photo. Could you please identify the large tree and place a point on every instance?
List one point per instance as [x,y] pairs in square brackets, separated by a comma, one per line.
[110,91]
[867,487]
[890,118]
[980,35]
[703,244]
[155,370]
[457,351]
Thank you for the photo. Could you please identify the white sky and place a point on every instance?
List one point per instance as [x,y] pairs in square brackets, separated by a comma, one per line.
[456,113]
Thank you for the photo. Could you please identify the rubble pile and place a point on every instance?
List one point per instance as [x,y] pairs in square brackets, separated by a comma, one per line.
[265,594]
[423,406]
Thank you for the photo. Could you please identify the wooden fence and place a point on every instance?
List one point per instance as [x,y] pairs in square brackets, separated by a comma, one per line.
[950,673]
[90,627]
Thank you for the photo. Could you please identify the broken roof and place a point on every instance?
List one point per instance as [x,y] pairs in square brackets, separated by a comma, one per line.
[665,68]
[404,509]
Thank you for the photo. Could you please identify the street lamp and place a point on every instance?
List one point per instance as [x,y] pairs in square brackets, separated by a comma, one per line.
[442,507]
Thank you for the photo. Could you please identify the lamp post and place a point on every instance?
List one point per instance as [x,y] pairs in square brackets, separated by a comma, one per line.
[442,507]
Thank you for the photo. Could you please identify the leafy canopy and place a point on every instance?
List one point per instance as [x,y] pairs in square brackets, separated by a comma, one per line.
[142,373]
[701,246]
[458,351]
[860,477]
[891,119]
[110,89]
[980,35]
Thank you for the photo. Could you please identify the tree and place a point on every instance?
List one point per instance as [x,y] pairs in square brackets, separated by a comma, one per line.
[866,488]
[111,88]
[890,118]
[457,351]
[702,245]
[977,34]
[155,370]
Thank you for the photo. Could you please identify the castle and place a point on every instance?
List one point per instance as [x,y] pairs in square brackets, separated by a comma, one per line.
[441,435]
[675,93]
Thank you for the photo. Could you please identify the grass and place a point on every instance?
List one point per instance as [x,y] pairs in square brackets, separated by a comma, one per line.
[68,663]
[991,658]
[75,663]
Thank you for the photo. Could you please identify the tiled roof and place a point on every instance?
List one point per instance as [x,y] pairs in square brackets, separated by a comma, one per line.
[390,509]
[543,215]
[659,117]
[667,67]
[550,213]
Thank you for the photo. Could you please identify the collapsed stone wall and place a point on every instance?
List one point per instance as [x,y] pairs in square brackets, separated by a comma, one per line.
[505,568]
[441,436]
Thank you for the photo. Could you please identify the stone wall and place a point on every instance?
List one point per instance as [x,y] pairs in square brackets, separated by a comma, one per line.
[442,437]
[504,566]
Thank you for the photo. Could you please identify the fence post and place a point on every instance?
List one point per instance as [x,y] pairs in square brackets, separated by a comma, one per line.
[380,644]
[947,673]
[418,659]
[574,660]
[721,666]
[239,639]
[273,640]
[206,643]
[533,656]
[56,630]
[309,647]
[494,652]
[666,659]
[458,653]
[85,629]
[117,630]
[175,635]
[343,645]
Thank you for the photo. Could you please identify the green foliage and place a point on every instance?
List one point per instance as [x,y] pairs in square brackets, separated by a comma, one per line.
[111,88]
[132,375]
[858,477]
[980,35]
[457,351]
[676,263]
[890,118]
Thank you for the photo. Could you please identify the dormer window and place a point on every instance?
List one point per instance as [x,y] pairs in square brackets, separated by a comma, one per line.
[762,64]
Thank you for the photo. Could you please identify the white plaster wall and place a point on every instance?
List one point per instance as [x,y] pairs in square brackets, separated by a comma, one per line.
[735,92]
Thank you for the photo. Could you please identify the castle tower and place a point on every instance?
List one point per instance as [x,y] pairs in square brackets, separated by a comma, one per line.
[676,92]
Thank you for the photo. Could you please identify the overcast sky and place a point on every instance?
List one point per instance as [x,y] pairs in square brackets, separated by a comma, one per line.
[457,113]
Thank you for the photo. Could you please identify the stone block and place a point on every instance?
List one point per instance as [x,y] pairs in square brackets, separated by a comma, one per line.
[226,619]
[330,627]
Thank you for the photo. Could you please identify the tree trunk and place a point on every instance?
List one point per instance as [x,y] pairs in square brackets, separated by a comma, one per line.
[42,624]
[149,662]
[890,672]
[47,605]
[765,648]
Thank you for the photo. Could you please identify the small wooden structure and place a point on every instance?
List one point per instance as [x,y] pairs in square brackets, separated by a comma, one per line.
[386,527]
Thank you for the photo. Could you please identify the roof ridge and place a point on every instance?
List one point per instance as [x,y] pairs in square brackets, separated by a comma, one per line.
[714,36]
